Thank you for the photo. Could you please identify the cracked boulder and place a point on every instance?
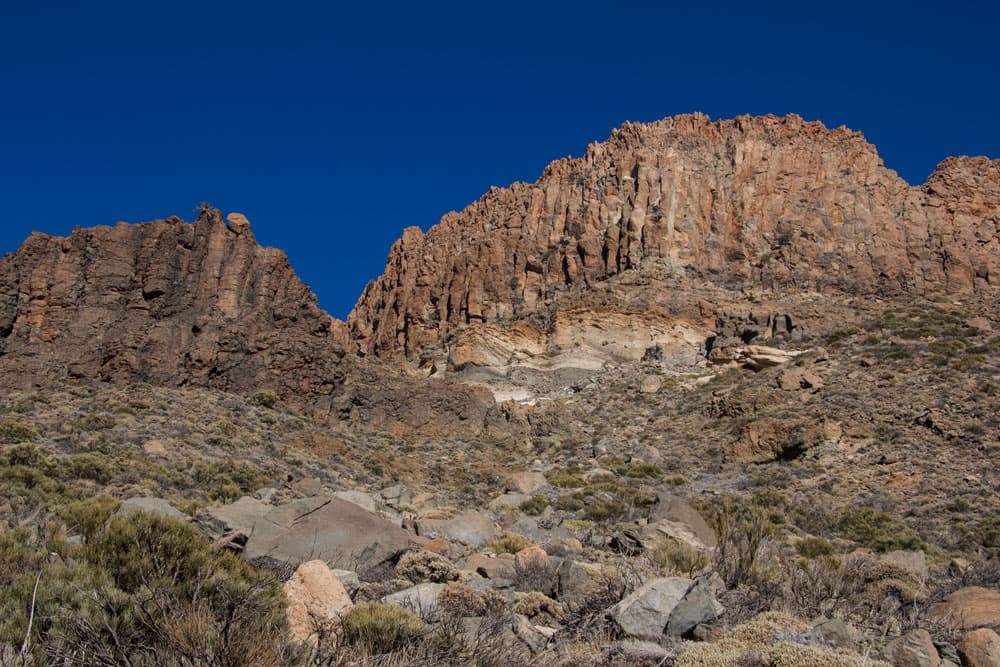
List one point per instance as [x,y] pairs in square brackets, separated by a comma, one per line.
[329,529]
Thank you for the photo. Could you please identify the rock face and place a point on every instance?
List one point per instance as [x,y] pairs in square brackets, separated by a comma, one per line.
[773,202]
[164,302]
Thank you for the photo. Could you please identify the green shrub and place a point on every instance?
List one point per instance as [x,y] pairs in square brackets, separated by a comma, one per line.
[814,547]
[510,544]
[266,398]
[534,505]
[563,479]
[379,628]
[678,558]
[644,471]
[92,466]
[877,530]
[14,432]
[87,517]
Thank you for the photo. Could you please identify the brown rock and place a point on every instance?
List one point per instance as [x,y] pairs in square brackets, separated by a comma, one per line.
[314,595]
[773,202]
[981,648]
[914,649]
[155,448]
[533,556]
[526,482]
[969,607]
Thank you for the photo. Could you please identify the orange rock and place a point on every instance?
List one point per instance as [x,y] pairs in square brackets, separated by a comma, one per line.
[969,607]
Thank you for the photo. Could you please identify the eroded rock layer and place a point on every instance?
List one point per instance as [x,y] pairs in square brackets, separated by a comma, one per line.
[770,202]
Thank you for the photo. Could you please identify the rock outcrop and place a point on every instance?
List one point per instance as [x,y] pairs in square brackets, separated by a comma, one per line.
[764,201]
[164,302]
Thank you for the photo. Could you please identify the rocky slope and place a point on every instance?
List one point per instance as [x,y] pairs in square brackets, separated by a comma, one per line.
[770,202]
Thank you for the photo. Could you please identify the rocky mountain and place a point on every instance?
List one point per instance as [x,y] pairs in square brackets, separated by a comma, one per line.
[754,201]
[163,302]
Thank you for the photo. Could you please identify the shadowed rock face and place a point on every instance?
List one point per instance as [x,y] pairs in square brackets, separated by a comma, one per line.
[770,202]
[164,302]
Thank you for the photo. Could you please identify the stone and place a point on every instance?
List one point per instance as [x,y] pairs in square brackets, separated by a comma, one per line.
[490,567]
[528,633]
[307,486]
[698,606]
[914,649]
[359,498]
[578,581]
[526,482]
[980,648]
[651,384]
[834,632]
[664,530]
[529,557]
[326,528]
[678,511]
[670,605]
[235,518]
[155,448]
[420,599]
[348,578]
[793,379]
[152,506]
[472,528]
[314,595]
[967,608]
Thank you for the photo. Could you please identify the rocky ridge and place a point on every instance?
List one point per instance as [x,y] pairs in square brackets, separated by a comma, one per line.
[752,201]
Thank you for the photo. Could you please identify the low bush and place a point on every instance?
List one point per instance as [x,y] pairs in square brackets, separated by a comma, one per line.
[379,628]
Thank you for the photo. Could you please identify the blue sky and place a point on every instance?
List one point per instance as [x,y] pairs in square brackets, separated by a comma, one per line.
[334,128]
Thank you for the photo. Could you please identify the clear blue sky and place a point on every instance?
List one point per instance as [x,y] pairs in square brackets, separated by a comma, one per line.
[332,128]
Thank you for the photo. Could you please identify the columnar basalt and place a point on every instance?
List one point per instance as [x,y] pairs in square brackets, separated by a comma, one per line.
[752,201]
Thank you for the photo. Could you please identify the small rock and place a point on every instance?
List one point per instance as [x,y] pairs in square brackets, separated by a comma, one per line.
[513,500]
[420,599]
[155,448]
[472,528]
[308,487]
[834,633]
[651,384]
[359,498]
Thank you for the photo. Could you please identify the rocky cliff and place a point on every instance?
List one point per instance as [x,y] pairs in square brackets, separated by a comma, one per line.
[768,202]
[163,302]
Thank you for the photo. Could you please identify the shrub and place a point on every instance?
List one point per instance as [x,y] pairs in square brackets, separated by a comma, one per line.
[510,544]
[741,528]
[459,599]
[814,547]
[421,566]
[379,628]
[87,517]
[678,558]
[644,471]
[533,603]
[534,505]
[25,455]
[564,480]
[14,432]
[877,530]
[266,398]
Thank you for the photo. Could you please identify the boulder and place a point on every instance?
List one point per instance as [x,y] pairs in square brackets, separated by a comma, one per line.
[472,528]
[327,528]
[834,633]
[314,596]
[420,599]
[678,511]
[670,605]
[651,384]
[490,567]
[914,649]
[151,505]
[526,482]
[981,648]
[577,581]
[235,519]
[967,608]
[359,498]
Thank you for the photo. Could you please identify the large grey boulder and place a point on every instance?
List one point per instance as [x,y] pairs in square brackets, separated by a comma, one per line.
[326,528]
[234,519]
[676,510]
[472,528]
[670,605]
[914,649]
[421,599]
